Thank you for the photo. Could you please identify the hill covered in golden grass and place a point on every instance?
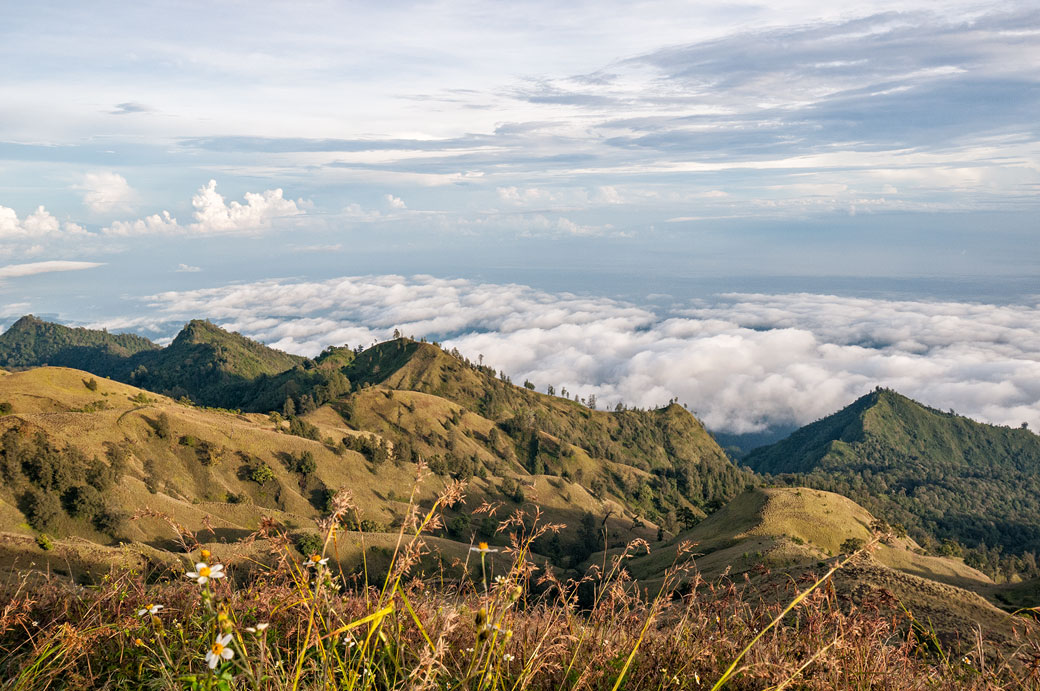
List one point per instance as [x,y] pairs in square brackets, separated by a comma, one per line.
[104,471]
[98,474]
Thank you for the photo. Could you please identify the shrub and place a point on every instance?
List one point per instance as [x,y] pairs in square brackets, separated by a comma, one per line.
[851,545]
[84,501]
[162,426]
[5,408]
[90,383]
[302,428]
[261,473]
[309,543]
[303,464]
[109,521]
[42,509]
[44,542]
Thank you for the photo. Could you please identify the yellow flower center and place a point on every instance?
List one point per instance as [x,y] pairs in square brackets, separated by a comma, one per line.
[205,571]
[150,607]
[482,546]
[205,554]
[217,648]
[315,558]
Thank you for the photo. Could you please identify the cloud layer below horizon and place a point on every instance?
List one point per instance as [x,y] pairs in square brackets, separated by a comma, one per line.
[743,362]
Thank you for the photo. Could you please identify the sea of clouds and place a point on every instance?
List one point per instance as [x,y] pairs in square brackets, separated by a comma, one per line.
[744,363]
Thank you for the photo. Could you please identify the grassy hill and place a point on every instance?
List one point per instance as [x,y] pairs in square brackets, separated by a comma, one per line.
[943,476]
[80,456]
[551,435]
[98,474]
[775,534]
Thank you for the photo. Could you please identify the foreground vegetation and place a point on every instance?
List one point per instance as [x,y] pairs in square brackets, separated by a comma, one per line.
[497,620]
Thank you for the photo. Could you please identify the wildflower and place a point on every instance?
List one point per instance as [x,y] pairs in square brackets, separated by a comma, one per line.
[205,554]
[501,580]
[150,609]
[317,560]
[259,628]
[138,642]
[483,548]
[508,658]
[204,572]
[219,651]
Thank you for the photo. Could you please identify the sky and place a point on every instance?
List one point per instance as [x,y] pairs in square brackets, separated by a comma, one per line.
[764,209]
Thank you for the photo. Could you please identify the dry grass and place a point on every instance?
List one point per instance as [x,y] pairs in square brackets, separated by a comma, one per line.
[492,620]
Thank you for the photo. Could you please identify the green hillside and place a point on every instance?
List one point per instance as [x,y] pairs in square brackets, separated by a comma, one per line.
[943,476]
[204,362]
[31,342]
[682,462]
[209,365]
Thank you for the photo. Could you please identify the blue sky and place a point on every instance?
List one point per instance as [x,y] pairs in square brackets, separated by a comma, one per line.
[656,153]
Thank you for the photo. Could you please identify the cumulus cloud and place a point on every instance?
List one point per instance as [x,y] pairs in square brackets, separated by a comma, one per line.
[155,224]
[38,225]
[33,268]
[187,269]
[395,202]
[213,215]
[743,363]
[107,192]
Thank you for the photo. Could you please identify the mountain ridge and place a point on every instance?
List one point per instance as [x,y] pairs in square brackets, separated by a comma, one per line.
[953,482]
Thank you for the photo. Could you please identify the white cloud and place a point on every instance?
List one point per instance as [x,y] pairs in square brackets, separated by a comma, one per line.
[212,215]
[33,268]
[743,363]
[187,269]
[107,192]
[40,224]
[215,216]
[395,202]
[151,225]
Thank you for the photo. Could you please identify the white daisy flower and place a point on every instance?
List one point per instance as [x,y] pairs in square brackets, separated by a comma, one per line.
[483,548]
[204,572]
[150,609]
[508,658]
[259,628]
[317,560]
[220,651]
